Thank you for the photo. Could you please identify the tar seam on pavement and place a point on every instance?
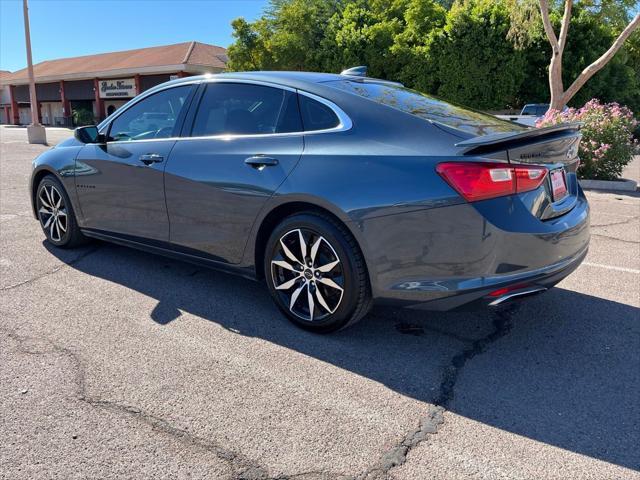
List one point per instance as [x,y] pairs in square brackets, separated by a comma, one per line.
[434,419]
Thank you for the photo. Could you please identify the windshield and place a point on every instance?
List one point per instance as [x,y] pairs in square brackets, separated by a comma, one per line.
[428,107]
[537,110]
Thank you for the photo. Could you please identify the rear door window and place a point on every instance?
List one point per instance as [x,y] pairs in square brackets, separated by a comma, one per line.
[246,109]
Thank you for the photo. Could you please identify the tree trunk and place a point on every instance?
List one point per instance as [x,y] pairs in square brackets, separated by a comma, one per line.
[555,82]
[560,97]
[599,64]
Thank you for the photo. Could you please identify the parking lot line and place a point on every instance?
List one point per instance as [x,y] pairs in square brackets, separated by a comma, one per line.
[611,267]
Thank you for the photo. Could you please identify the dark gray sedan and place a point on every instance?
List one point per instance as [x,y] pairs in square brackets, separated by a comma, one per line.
[338,190]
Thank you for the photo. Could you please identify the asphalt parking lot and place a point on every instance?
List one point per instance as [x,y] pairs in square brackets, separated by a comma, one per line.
[120,364]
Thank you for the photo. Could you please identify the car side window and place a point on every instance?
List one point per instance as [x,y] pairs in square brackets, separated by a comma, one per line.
[246,109]
[316,115]
[153,117]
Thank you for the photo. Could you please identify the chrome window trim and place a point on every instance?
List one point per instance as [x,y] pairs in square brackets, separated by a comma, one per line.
[108,121]
[344,124]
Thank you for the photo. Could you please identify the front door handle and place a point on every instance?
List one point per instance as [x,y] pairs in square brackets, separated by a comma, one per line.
[150,158]
[259,162]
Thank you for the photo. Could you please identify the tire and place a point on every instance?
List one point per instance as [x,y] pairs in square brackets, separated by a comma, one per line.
[331,290]
[56,215]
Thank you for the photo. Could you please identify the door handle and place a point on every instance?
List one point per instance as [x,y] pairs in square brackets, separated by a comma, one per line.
[259,162]
[149,158]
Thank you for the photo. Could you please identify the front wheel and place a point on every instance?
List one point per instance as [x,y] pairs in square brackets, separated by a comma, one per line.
[316,273]
[56,215]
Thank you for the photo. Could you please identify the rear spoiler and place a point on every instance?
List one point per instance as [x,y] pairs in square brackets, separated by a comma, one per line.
[501,141]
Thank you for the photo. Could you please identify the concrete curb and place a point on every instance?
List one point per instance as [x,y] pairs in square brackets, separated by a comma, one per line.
[622,185]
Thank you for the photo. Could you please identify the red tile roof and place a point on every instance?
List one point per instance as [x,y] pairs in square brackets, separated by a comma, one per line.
[195,56]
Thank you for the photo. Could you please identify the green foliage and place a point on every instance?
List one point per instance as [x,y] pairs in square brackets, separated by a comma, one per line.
[614,13]
[485,54]
[82,117]
[477,65]
[287,37]
[607,137]
[589,38]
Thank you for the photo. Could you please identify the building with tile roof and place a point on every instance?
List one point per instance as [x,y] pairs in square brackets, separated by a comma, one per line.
[101,83]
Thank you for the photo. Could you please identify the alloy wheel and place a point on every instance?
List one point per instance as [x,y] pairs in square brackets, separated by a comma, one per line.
[307,274]
[52,212]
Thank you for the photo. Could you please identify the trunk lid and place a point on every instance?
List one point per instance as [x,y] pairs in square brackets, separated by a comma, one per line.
[554,147]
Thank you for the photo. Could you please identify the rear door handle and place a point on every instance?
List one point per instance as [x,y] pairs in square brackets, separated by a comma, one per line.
[259,162]
[149,158]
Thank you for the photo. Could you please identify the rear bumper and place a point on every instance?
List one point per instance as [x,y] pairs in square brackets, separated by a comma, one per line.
[455,256]
[475,293]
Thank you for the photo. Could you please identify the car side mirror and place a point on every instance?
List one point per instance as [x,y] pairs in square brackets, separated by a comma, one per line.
[88,134]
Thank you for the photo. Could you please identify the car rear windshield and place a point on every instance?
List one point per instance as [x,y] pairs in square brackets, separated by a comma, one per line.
[428,107]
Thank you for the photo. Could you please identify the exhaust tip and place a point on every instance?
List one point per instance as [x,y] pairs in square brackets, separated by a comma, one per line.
[512,294]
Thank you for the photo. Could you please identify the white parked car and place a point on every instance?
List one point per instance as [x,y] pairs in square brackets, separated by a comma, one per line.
[529,115]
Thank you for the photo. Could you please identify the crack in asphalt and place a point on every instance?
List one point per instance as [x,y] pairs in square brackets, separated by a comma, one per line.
[621,222]
[430,423]
[614,238]
[502,325]
[242,467]
[53,270]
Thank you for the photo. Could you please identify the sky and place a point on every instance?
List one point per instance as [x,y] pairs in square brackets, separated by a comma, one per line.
[69,28]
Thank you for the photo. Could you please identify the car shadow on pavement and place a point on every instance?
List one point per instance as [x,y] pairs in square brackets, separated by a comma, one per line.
[566,373]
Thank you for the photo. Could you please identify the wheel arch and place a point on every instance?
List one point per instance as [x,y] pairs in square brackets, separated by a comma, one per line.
[272,216]
[36,178]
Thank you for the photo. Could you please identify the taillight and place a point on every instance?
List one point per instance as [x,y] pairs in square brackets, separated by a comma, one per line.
[529,178]
[479,181]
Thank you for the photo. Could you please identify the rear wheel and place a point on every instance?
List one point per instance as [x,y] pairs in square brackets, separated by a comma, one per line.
[316,273]
[56,215]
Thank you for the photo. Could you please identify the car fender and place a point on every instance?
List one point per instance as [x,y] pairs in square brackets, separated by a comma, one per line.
[59,161]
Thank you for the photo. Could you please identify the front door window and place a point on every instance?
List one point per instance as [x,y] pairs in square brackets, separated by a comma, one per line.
[152,117]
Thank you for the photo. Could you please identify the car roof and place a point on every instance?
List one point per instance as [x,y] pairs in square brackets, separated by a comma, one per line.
[286,78]
[305,81]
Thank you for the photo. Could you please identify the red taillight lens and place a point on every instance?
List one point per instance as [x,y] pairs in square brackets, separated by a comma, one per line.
[479,181]
[529,178]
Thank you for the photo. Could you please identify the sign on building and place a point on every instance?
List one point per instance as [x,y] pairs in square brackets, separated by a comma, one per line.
[120,88]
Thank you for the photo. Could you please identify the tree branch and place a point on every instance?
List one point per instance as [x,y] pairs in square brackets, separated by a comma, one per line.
[566,20]
[596,66]
[548,28]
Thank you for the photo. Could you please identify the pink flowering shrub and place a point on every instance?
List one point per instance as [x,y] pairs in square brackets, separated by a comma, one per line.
[607,137]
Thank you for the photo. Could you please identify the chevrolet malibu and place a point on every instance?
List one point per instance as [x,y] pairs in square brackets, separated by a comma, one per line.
[337,190]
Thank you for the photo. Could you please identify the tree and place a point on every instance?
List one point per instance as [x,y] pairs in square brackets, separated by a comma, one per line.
[559,95]
[364,33]
[589,37]
[412,48]
[248,52]
[476,64]
[289,36]
[462,54]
